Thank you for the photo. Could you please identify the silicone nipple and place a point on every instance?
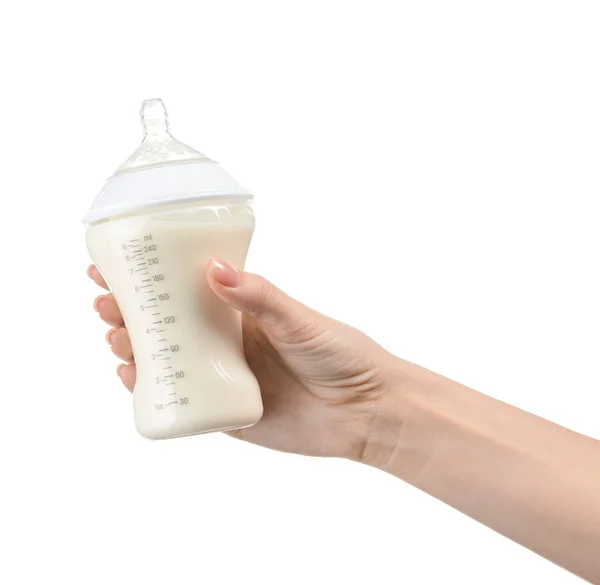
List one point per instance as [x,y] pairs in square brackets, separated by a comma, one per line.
[158,147]
[155,120]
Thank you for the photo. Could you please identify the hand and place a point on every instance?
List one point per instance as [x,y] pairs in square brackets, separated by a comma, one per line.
[321,381]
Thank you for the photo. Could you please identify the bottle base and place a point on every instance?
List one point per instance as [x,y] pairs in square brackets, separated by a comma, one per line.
[169,432]
[163,437]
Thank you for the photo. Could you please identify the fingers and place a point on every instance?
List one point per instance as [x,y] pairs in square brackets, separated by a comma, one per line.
[105,305]
[95,275]
[127,374]
[119,342]
[121,347]
[118,339]
[250,293]
[107,308]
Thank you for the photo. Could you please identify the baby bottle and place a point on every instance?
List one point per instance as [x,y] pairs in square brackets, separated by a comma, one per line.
[151,232]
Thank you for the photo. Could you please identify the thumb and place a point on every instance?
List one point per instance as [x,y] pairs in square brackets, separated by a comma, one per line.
[254,295]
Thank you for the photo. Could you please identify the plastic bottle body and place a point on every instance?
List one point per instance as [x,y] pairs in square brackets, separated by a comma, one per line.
[192,376]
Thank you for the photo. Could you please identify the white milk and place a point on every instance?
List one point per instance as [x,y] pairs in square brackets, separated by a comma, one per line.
[192,376]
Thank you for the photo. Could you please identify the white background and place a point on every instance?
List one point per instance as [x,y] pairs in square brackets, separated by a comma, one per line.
[426,171]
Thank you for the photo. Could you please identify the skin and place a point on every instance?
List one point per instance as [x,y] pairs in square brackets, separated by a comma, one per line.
[329,390]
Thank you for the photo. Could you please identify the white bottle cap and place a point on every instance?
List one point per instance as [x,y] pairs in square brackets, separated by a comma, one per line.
[161,171]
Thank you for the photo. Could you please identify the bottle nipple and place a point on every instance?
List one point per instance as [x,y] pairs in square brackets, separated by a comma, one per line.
[155,120]
[158,146]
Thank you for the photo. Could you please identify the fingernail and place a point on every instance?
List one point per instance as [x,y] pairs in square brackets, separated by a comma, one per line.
[119,368]
[109,336]
[89,271]
[226,274]
[98,303]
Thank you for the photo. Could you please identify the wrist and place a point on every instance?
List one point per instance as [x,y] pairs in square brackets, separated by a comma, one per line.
[405,390]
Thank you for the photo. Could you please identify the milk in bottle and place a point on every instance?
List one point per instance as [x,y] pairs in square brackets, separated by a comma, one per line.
[151,232]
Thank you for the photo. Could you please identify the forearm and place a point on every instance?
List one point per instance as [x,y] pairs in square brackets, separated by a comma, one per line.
[527,478]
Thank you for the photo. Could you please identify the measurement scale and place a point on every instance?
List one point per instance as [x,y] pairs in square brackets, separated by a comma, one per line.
[142,258]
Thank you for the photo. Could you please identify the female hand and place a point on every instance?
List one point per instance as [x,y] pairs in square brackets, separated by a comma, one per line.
[321,380]
[330,390]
